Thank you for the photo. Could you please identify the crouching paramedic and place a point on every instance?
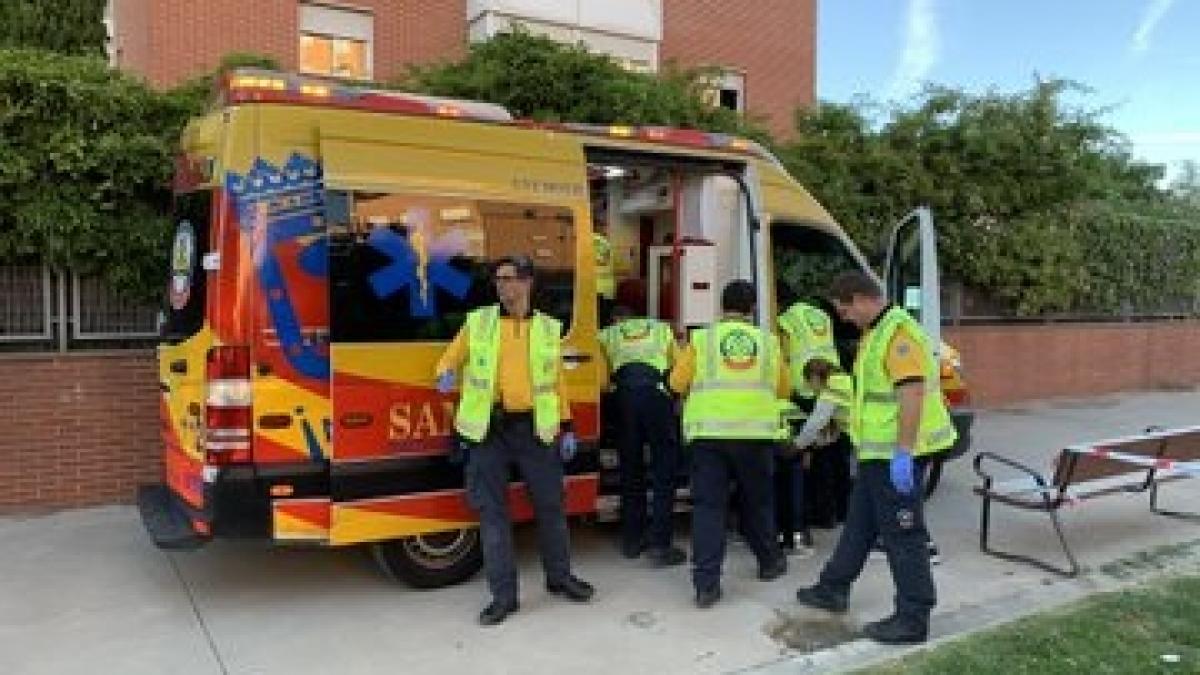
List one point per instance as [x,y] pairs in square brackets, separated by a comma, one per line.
[734,377]
[898,414]
[639,351]
[512,412]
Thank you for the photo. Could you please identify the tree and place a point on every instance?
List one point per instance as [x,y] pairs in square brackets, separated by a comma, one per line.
[86,157]
[65,26]
[538,78]
[1039,203]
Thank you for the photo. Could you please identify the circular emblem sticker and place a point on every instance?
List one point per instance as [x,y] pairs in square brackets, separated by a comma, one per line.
[739,349]
[816,325]
[183,259]
[634,331]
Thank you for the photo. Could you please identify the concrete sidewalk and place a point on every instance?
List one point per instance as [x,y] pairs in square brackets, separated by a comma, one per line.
[85,591]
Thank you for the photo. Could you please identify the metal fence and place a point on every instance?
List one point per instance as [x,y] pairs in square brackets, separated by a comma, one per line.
[43,310]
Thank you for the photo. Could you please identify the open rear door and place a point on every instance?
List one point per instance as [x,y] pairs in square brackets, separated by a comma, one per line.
[911,272]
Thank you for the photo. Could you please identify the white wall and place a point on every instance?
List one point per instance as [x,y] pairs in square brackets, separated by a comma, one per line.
[631,29]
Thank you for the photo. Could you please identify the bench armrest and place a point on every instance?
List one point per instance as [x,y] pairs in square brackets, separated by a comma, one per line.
[988,478]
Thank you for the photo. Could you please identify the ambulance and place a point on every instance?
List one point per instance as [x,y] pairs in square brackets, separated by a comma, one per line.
[329,242]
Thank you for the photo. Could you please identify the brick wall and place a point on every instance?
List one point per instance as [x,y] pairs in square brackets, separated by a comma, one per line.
[1010,364]
[77,430]
[186,38]
[83,429]
[772,41]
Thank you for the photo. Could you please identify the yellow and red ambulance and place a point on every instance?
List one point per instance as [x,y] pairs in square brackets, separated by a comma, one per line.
[329,242]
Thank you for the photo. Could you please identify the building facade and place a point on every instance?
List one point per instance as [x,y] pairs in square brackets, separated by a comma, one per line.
[765,48]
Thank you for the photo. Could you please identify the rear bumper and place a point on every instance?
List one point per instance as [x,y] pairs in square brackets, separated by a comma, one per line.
[167,519]
[236,506]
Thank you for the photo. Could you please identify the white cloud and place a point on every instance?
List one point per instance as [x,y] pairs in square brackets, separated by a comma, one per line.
[921,46]
[1155,11]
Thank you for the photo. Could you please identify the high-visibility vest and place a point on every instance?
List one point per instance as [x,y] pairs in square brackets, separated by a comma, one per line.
[606,281]
[810,335]
[479,376]
[839,391]
[732,394]
[875,416]
[638,340]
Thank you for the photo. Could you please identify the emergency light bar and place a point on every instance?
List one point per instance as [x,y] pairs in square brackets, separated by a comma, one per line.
[250,85]
[263,86]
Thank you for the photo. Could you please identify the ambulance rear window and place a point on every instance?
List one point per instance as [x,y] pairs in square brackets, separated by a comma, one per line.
[409,267]
[186,279]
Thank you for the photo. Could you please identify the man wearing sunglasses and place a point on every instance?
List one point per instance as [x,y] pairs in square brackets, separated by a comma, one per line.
[512,412]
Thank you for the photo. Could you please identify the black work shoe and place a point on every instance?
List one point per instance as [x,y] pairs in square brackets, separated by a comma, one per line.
[668,556]
[572,588]
[895,630]
[708,597]
[822,598]
[498,611]
[773,571]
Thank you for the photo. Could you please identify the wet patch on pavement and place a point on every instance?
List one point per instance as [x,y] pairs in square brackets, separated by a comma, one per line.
[809,634]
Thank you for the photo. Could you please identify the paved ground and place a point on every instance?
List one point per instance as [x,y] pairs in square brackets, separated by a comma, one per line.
[85,592]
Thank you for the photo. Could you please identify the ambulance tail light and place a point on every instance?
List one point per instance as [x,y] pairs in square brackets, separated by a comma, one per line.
[227,406]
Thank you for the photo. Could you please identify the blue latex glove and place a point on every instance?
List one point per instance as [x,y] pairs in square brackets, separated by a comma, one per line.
[445,382]
[567,445]
[902,470]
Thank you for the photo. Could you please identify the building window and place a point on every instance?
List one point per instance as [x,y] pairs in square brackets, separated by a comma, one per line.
[730,91]
[336,42]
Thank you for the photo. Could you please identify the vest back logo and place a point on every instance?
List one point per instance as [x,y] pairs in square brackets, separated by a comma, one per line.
[739,349]
[634,331]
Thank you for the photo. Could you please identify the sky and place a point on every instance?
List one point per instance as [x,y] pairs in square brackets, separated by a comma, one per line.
[1141,57]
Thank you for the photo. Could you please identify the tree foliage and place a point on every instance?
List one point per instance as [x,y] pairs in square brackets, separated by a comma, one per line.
[86,155]
[538,78]
[1038,203]
[64,26]
[85,161]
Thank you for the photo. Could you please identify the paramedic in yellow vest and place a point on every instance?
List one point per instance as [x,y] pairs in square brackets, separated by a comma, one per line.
[735,381]
[898,414]
[639,352]
[807,334]
[512,412]
[606,280]
[830,416]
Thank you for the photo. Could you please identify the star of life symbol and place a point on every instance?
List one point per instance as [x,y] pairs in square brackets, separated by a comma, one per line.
[418,264]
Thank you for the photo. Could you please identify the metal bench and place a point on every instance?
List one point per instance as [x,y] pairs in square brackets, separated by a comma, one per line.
[1086,471]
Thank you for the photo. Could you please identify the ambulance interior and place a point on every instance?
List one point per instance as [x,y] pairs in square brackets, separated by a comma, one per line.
[677,232]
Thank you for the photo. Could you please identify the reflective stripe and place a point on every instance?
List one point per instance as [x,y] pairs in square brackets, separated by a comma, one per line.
[941,435]
[880,397]
[759,426]
[877,447]
[710,385]
[478,383]
[544,389]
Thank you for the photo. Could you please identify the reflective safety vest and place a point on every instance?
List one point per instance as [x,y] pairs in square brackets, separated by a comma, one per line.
[638,340]
[839,391]
[479,376]
[810,335]
[875,416]
[732,395]
[606,281]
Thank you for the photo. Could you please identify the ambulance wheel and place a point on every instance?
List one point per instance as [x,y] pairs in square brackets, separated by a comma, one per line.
[431,560]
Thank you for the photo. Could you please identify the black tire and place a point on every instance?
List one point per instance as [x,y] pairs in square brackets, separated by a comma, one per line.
[432,560]
[933,475]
